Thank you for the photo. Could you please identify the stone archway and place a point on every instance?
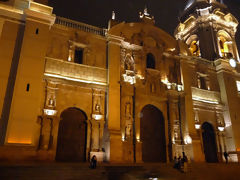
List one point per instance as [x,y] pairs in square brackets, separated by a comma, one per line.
[209,143]
[72,135]
[152,132]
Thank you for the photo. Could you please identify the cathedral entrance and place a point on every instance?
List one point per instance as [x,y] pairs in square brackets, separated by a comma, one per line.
[153,135]
[209,143]
[72,135]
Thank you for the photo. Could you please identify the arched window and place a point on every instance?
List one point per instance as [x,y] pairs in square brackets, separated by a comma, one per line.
[193,44]
[225,44]
[150,61]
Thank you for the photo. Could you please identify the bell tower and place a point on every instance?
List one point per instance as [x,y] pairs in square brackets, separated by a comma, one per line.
[208,28]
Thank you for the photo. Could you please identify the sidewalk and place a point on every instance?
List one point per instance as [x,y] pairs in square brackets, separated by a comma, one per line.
[105,171]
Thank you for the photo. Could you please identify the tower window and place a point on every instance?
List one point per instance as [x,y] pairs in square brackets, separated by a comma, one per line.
[150,61]
[37,31]
[194,48]
[225,44]
[78,56]
[202,82]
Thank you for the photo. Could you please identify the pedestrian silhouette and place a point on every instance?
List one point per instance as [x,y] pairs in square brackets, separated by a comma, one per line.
[226,156]
[93,162]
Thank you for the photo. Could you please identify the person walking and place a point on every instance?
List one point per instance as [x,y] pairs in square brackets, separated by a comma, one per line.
[93,162]
[226,155]
[184,162]
[175,163]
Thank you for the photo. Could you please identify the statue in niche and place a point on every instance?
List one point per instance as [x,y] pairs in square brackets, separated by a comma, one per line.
[129,64]
[220,119]
[128,109]
[51,102]
[128,130]
[152,88]
[97,107]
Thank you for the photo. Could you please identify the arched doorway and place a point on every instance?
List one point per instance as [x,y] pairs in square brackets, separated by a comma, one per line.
[209,143]
[153,135]
[72,134]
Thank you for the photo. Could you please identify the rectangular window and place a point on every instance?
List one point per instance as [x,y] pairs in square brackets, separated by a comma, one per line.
[78,56]
[203,83]
[238,86]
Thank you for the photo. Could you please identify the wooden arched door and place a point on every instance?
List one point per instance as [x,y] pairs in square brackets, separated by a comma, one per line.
[72,135]
[209,143]
[153,135]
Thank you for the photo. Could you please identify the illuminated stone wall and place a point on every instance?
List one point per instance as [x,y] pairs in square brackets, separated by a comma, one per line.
[121,71]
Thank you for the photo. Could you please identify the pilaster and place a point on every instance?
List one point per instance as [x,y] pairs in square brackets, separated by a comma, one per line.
[114,94]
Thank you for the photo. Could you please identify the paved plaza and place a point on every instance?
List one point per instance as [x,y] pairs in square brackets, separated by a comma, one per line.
[62,171]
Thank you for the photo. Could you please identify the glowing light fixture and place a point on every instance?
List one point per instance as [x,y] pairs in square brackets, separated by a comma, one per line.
[129,79]
[123,138]
[50,112]
[138,139]
[97,116]
[188,139]
[197,126]
[232,62]
[221,128]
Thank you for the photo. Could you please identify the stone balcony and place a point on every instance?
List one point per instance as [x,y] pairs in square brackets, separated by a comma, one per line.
[65,70]
[206,96]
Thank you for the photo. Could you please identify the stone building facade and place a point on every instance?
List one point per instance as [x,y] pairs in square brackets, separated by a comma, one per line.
[129,93]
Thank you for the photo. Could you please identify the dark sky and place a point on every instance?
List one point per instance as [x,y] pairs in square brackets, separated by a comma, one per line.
[98,12]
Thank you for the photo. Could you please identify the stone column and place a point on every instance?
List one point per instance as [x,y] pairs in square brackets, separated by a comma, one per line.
[172,110]
[114,98]
[219,146]
[95,136]
[189,122]
[102,122]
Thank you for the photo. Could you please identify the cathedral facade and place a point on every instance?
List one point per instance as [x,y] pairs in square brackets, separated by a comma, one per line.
[129,93]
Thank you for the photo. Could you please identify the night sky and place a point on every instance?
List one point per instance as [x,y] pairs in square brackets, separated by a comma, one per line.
[98,12]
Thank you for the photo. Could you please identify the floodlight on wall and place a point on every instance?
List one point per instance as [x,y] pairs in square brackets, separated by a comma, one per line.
[232,62]
[169,85]
[188,139]
[97,116]
[221,128]
[50,112]
[123,137]
[197,126]
[179,87]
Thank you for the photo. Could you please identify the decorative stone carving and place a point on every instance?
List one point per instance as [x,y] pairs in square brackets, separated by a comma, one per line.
[128,130]
[128,109]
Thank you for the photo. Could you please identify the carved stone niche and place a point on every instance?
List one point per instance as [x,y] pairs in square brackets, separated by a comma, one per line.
[220,120]
[98,104]
[129,63]
[128,109]
[51,89]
